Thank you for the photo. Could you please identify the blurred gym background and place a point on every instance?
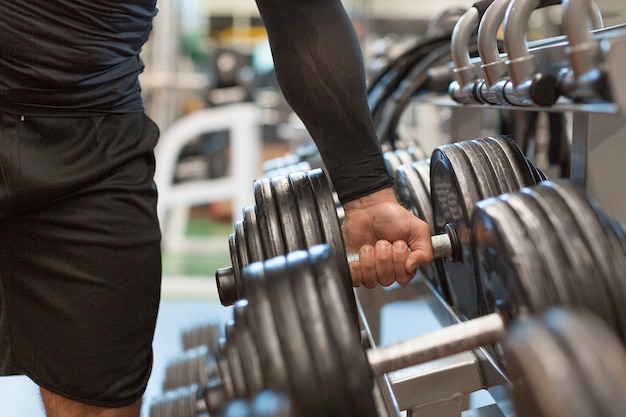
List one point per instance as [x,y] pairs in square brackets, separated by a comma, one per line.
[210,60]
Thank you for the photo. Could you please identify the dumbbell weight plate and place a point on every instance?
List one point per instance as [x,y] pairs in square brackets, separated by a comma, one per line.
[417,191]
[254,241]
[261,323]
[546,239]
[241,244]
[335,400]
[236,265]
[355,368]
[250,364]
[507,261]
[617,238]
[287,211]
[545,384]
[224,369]
[307,209]
[618,229]
[487,181]
[610,264]
[529,213]
[578,263]
[234,360]
[268,220]
[523,170]
[201,335]
[454,190]
[305,386]
[590,280]
[504,171]
[583,272]
[542,252]
[598,355]
[331,229]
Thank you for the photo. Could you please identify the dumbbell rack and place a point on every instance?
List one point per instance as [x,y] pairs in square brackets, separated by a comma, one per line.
[442,387]
[598,128]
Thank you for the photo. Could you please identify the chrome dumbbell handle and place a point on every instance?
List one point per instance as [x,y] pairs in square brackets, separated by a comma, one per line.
[449,340]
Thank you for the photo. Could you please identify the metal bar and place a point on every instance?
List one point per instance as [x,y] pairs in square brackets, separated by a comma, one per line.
[447,341]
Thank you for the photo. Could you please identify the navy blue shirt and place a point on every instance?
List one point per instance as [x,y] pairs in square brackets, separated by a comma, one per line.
[72,56]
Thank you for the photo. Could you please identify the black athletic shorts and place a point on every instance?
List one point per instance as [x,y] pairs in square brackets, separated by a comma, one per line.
[80,261]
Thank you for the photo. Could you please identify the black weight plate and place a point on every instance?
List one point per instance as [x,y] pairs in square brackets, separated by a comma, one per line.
[254,241]
[335,401]
[601,246]
[250,364]
[307,209]
[585,273]
[422,168]
[305,387]
[268,219]
[544,382]
[263,328]
[598,246]
[504,173]
[293,233]
[354,365]
[597,353]
[331,229]
[543,237]
[522,169]
[506,261]
[454,190]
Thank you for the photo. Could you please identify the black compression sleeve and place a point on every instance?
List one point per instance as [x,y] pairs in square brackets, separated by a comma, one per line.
[320,71]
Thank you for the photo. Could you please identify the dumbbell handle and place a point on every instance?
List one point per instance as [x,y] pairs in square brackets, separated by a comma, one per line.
[449,340]
[442,247]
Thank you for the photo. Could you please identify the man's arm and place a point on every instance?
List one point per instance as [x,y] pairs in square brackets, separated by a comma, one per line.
[319,67]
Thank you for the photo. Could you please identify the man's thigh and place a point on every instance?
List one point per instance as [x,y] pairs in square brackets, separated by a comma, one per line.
[80,261]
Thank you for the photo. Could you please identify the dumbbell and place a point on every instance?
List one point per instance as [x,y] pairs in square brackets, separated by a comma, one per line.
[304,340]
[298,210]
[196,364]
[549,230]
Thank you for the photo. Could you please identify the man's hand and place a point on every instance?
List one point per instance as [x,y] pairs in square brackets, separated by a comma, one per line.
[392,243]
